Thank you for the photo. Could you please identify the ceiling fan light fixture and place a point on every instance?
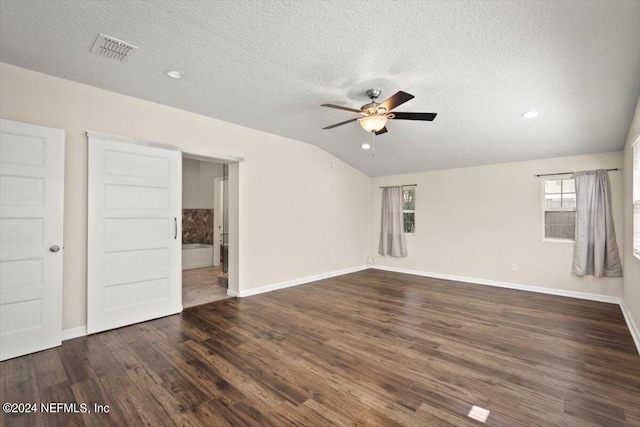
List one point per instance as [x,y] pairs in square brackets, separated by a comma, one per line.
[530,114]
[373,123]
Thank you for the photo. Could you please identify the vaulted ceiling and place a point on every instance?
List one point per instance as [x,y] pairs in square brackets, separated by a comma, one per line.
[269,65]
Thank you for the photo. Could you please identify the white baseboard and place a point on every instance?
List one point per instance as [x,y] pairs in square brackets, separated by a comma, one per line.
[296,282]
[232,293]
[69,334]
[508,285]
[633,328]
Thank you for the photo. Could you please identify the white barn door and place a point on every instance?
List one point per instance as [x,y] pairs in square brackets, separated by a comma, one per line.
[135,234]
[31,217]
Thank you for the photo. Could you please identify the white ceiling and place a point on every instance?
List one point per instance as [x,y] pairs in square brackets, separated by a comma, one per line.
[270,64]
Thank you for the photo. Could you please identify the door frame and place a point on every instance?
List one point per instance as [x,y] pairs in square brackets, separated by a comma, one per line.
[218,219]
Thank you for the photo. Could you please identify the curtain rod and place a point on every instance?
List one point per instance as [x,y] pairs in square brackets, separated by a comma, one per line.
[567,173]
[403,185]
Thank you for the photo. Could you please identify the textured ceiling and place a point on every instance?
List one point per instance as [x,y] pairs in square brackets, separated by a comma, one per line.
[270,64]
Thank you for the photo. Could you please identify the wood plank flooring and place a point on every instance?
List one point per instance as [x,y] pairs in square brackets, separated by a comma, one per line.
[371,348]
[200,286]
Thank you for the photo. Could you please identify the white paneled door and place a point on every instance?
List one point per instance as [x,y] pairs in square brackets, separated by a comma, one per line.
[134,237]
[31,216]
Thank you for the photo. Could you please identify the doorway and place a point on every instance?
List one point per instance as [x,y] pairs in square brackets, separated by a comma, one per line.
[205,219]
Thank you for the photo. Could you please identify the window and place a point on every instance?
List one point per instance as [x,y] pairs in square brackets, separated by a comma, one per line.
[636,198]
[559,209]
[409,209]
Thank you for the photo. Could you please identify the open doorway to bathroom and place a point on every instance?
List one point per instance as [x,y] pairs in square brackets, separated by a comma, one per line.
[205,220]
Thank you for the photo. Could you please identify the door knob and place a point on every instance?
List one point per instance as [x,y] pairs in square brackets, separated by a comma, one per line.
[54,248]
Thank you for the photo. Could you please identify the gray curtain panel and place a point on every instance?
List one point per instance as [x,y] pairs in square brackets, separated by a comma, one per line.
[392,234]
[596,250]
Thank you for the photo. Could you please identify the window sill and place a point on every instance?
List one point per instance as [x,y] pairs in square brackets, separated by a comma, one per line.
[558,240]
[636,255]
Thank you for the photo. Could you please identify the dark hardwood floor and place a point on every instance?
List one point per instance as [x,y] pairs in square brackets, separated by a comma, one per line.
[369,348]
[201,286]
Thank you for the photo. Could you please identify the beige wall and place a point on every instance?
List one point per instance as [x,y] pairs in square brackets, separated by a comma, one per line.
[631,263]
[293,206]
[198,189]
[476,222]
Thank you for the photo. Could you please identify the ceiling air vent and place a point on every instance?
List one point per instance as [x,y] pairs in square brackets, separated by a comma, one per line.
[112,48]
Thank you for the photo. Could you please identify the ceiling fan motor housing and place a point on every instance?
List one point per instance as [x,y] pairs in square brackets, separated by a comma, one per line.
[370,108]
[374,93]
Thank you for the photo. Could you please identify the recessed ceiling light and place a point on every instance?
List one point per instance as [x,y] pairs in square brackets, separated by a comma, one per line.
[174,74]
[365,146]
[530,114]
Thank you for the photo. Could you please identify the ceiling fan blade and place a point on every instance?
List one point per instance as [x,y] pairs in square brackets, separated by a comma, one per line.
[353,110]
[340,124]
[397,99]
[415,116]
[381,131]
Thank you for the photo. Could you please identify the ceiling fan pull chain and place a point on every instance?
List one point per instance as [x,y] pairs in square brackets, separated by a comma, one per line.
[373,145]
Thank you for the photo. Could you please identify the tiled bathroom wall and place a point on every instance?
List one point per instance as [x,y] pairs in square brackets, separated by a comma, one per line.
[197,226]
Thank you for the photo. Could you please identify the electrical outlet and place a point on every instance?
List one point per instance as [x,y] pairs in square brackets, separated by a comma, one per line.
[514,267]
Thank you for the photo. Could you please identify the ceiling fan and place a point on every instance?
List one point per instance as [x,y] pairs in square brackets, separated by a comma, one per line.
[376,115]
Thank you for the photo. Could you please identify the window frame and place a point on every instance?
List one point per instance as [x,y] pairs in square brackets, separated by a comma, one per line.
[635,196]
[544,209]
[413,211]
